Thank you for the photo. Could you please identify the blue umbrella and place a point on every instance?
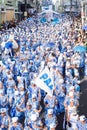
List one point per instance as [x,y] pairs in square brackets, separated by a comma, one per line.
[80,49]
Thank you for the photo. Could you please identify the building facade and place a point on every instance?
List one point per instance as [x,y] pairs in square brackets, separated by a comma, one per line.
[84,12]
[9,10]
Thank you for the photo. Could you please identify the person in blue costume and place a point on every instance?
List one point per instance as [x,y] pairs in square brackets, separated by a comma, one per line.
[4,119]
[15,125]
[82,123]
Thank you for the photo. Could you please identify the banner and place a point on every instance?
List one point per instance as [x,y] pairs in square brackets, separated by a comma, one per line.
[45,81]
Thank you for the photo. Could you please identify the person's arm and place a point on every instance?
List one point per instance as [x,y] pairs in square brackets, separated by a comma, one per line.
[39,95]
[38,110]
[38,127]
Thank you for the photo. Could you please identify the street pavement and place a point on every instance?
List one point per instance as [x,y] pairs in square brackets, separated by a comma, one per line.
[83,98]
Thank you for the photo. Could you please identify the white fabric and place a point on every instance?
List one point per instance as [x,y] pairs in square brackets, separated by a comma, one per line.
[45,81]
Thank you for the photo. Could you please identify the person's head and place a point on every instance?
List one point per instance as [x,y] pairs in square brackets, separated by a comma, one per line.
[71,102]
[34,97]
[18,78]
[15,121]
[83,119]
[72,89]
[3,111]
[71,94]
[29,105]
[50,112]
[52,126]
[33,84]
[21,87]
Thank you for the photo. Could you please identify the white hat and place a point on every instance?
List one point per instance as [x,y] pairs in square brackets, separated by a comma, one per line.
[71,94]
[78,82]
[29,103]
[0,62]
[23,65]
[71,88]
[61,81]
[9,60]
[34,95]
[18,77]
[10,76]
[50,111]
[82,118]
[14,119]
[32,82]
[33,117]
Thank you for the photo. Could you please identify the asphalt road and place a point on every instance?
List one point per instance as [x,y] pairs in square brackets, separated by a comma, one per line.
[83,98]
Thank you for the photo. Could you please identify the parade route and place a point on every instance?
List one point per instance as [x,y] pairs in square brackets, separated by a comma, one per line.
[83,98]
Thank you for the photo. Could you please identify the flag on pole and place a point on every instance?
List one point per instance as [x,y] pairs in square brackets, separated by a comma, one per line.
[45,81]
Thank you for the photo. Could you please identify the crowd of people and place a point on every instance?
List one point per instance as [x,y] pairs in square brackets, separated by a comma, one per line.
[24,53]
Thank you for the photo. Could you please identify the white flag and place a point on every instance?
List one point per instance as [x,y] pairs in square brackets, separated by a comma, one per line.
[45,81]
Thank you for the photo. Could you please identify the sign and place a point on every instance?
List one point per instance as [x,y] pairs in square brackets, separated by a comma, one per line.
[25,14]
[45,81]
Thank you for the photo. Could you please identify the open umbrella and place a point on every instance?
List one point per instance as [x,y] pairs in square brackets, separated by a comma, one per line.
[80,49]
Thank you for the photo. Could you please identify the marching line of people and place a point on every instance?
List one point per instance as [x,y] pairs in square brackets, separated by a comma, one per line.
[24,53]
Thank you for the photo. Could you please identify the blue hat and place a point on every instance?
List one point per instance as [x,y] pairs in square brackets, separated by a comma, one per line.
[3,110]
